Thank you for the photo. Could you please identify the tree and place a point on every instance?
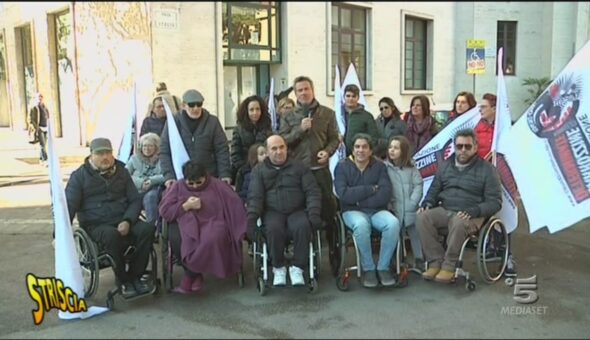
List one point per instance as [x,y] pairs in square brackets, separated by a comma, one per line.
[536,87]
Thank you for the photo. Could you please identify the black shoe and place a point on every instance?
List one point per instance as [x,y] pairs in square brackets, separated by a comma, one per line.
[370,279]
[128,290]
[141,287]
[386,278]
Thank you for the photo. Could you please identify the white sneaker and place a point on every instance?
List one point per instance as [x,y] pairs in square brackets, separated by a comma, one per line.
[296,275]
[280,276]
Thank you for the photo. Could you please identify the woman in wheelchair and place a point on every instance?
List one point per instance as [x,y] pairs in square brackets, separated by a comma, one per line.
[146,173]
[212,222]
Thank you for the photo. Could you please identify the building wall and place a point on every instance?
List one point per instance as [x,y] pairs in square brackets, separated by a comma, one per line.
[306,51]
[121,44]
[548,36]
[187,57]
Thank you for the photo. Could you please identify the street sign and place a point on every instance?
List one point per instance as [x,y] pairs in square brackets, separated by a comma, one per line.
[476,56]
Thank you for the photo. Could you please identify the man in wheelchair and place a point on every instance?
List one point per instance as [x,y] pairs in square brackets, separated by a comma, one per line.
[465,191]
[284,193]
[102,194]
[364,189]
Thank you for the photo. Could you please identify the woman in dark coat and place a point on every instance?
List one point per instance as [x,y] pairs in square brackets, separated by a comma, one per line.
[253,127]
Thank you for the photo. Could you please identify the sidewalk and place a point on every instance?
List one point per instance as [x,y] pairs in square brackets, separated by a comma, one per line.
[20,160]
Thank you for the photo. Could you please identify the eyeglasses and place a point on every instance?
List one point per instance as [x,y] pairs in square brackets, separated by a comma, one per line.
[196,183]
[148,146]
[383,108]
[467,147]
[197,104]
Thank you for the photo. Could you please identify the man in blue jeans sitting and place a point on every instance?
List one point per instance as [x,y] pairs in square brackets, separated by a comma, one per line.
[364,189]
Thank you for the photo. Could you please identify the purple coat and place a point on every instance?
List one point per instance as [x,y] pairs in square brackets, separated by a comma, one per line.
[211,236]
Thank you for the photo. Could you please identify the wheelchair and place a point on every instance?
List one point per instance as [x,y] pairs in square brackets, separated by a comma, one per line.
[93,260]
[493,247]
[343,239]
[169,260]
[261,260]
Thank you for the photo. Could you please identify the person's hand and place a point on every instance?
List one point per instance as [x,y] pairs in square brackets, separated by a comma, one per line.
[306,124]
[340,138]
[323,157]
[463,215]
[194,202]
[146,185]
[226,180]
[316,221]
[123,228]
[421,209]
[169,182]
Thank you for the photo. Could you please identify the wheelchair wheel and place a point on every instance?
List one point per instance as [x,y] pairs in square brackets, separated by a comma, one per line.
[339,247]
[88,257]
[492,250]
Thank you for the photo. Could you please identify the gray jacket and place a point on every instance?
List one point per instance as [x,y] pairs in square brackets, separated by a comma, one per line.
[208,144]
[475,189]
[407,192]
[140,170]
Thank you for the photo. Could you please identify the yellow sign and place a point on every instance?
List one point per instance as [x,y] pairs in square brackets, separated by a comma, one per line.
[48,293]
[476,56]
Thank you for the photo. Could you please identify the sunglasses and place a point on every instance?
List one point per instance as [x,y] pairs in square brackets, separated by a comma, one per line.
[383,108]
[467,147]
[197,104]
[195,183]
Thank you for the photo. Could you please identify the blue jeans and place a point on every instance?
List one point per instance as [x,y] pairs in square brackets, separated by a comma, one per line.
[384,222]
[150,203]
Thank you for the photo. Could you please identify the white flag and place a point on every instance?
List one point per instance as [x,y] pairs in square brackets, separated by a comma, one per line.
[177,149]
[127,141]
[548,149]
[271,106]
[338,101]
[67,264]
[509,211]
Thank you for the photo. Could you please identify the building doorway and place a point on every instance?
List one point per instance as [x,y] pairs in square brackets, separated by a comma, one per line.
[240,82]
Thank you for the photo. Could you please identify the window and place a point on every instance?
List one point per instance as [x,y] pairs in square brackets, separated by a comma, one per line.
[415,56]
[349,41]
[507,39]
[251,32]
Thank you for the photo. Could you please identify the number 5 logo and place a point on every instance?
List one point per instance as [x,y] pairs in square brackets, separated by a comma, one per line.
[525,290]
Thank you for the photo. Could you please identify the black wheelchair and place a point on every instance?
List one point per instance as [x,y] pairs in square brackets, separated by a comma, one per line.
[342,239]
[261,260]
[93,260]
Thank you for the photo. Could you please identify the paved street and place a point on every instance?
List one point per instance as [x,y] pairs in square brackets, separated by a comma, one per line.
[222,310]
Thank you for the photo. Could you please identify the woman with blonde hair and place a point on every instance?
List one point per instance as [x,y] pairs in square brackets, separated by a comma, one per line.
[144,167]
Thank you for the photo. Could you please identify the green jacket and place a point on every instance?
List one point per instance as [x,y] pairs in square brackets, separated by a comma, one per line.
[360,120]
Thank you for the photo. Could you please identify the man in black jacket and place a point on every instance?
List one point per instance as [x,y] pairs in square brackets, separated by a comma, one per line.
[102,194]
[284,193]
[464,192]
[202,137]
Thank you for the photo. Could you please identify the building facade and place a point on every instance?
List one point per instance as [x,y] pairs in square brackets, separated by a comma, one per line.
[98,62]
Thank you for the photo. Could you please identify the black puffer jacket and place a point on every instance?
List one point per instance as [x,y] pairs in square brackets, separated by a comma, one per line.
[242,139]
[208,144]
[100,199]
[285,189]
[475,190]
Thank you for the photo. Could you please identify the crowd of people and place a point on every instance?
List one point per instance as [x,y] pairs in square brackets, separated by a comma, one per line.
[282,178]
